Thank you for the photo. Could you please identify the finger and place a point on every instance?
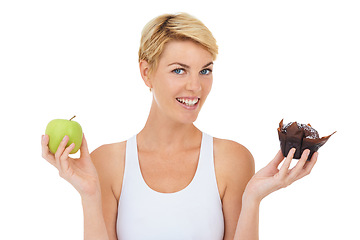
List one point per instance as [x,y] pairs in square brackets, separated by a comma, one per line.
[299,167]
[84,150]
[46,154]
[277,159]
[61,149]
[64,158]
[308,166]
[285,167]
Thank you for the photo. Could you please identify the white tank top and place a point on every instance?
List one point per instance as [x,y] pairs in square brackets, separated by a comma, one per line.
[194,212]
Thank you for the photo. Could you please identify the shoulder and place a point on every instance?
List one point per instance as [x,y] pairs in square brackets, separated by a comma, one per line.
[109,161]
[107,155]
[232,153]
[108,150]
[233,161]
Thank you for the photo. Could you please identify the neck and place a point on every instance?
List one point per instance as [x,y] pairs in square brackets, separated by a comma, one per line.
[164,134]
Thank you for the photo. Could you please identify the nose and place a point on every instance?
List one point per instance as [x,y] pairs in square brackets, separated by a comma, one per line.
[193,83]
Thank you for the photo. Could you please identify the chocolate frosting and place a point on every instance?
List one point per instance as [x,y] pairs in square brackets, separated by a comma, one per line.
[301,137]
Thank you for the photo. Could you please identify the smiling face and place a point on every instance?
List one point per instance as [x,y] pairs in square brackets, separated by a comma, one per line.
[181,81]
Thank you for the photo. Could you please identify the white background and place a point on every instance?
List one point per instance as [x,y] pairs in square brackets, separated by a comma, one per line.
[297,60]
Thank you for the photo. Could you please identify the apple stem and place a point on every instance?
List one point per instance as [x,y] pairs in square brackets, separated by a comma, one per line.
[72,118]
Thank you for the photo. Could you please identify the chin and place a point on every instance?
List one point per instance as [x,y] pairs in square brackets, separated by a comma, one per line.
[184,116]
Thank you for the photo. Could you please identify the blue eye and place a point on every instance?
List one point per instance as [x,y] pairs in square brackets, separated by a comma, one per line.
[205,71]
[178,71]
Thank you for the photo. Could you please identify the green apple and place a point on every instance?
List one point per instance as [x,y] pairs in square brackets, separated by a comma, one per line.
[57,129]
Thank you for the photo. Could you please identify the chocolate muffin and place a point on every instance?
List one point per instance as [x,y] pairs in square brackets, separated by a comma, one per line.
[301,137]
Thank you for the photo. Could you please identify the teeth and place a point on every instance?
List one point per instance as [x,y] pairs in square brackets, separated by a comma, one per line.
[187,101]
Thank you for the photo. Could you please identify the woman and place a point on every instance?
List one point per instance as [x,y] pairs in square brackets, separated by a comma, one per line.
[172,181]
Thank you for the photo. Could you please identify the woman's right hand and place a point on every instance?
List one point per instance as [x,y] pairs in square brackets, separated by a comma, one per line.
[80,172]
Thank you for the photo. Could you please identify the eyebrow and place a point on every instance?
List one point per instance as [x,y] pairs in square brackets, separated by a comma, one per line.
[186,66]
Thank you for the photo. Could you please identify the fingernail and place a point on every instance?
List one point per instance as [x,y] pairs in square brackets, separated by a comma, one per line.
[64,138]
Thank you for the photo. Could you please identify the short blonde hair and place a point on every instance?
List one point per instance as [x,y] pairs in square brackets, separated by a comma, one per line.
[167,27]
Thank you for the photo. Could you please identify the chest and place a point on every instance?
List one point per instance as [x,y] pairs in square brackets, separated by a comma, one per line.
[171,172]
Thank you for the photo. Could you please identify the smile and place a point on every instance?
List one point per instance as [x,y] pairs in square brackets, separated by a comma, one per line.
[188,102]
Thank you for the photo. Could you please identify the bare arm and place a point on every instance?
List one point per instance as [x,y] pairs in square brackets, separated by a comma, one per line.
[248,224]
[234,165]
[109,161]
[94,224]
[82,175]
[264,182]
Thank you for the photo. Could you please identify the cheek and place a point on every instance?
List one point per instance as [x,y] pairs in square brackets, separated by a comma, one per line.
[165,88]
[173,84]
[169,88]
[206,86]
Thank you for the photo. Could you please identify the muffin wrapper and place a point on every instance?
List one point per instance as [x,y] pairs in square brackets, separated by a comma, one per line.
[294,138]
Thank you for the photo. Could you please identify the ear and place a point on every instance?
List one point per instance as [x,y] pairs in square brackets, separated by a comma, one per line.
[144,71]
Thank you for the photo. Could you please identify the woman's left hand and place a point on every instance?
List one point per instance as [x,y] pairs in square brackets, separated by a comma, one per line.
[270,179]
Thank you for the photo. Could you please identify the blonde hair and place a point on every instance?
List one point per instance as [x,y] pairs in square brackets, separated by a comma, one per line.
[167,27]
